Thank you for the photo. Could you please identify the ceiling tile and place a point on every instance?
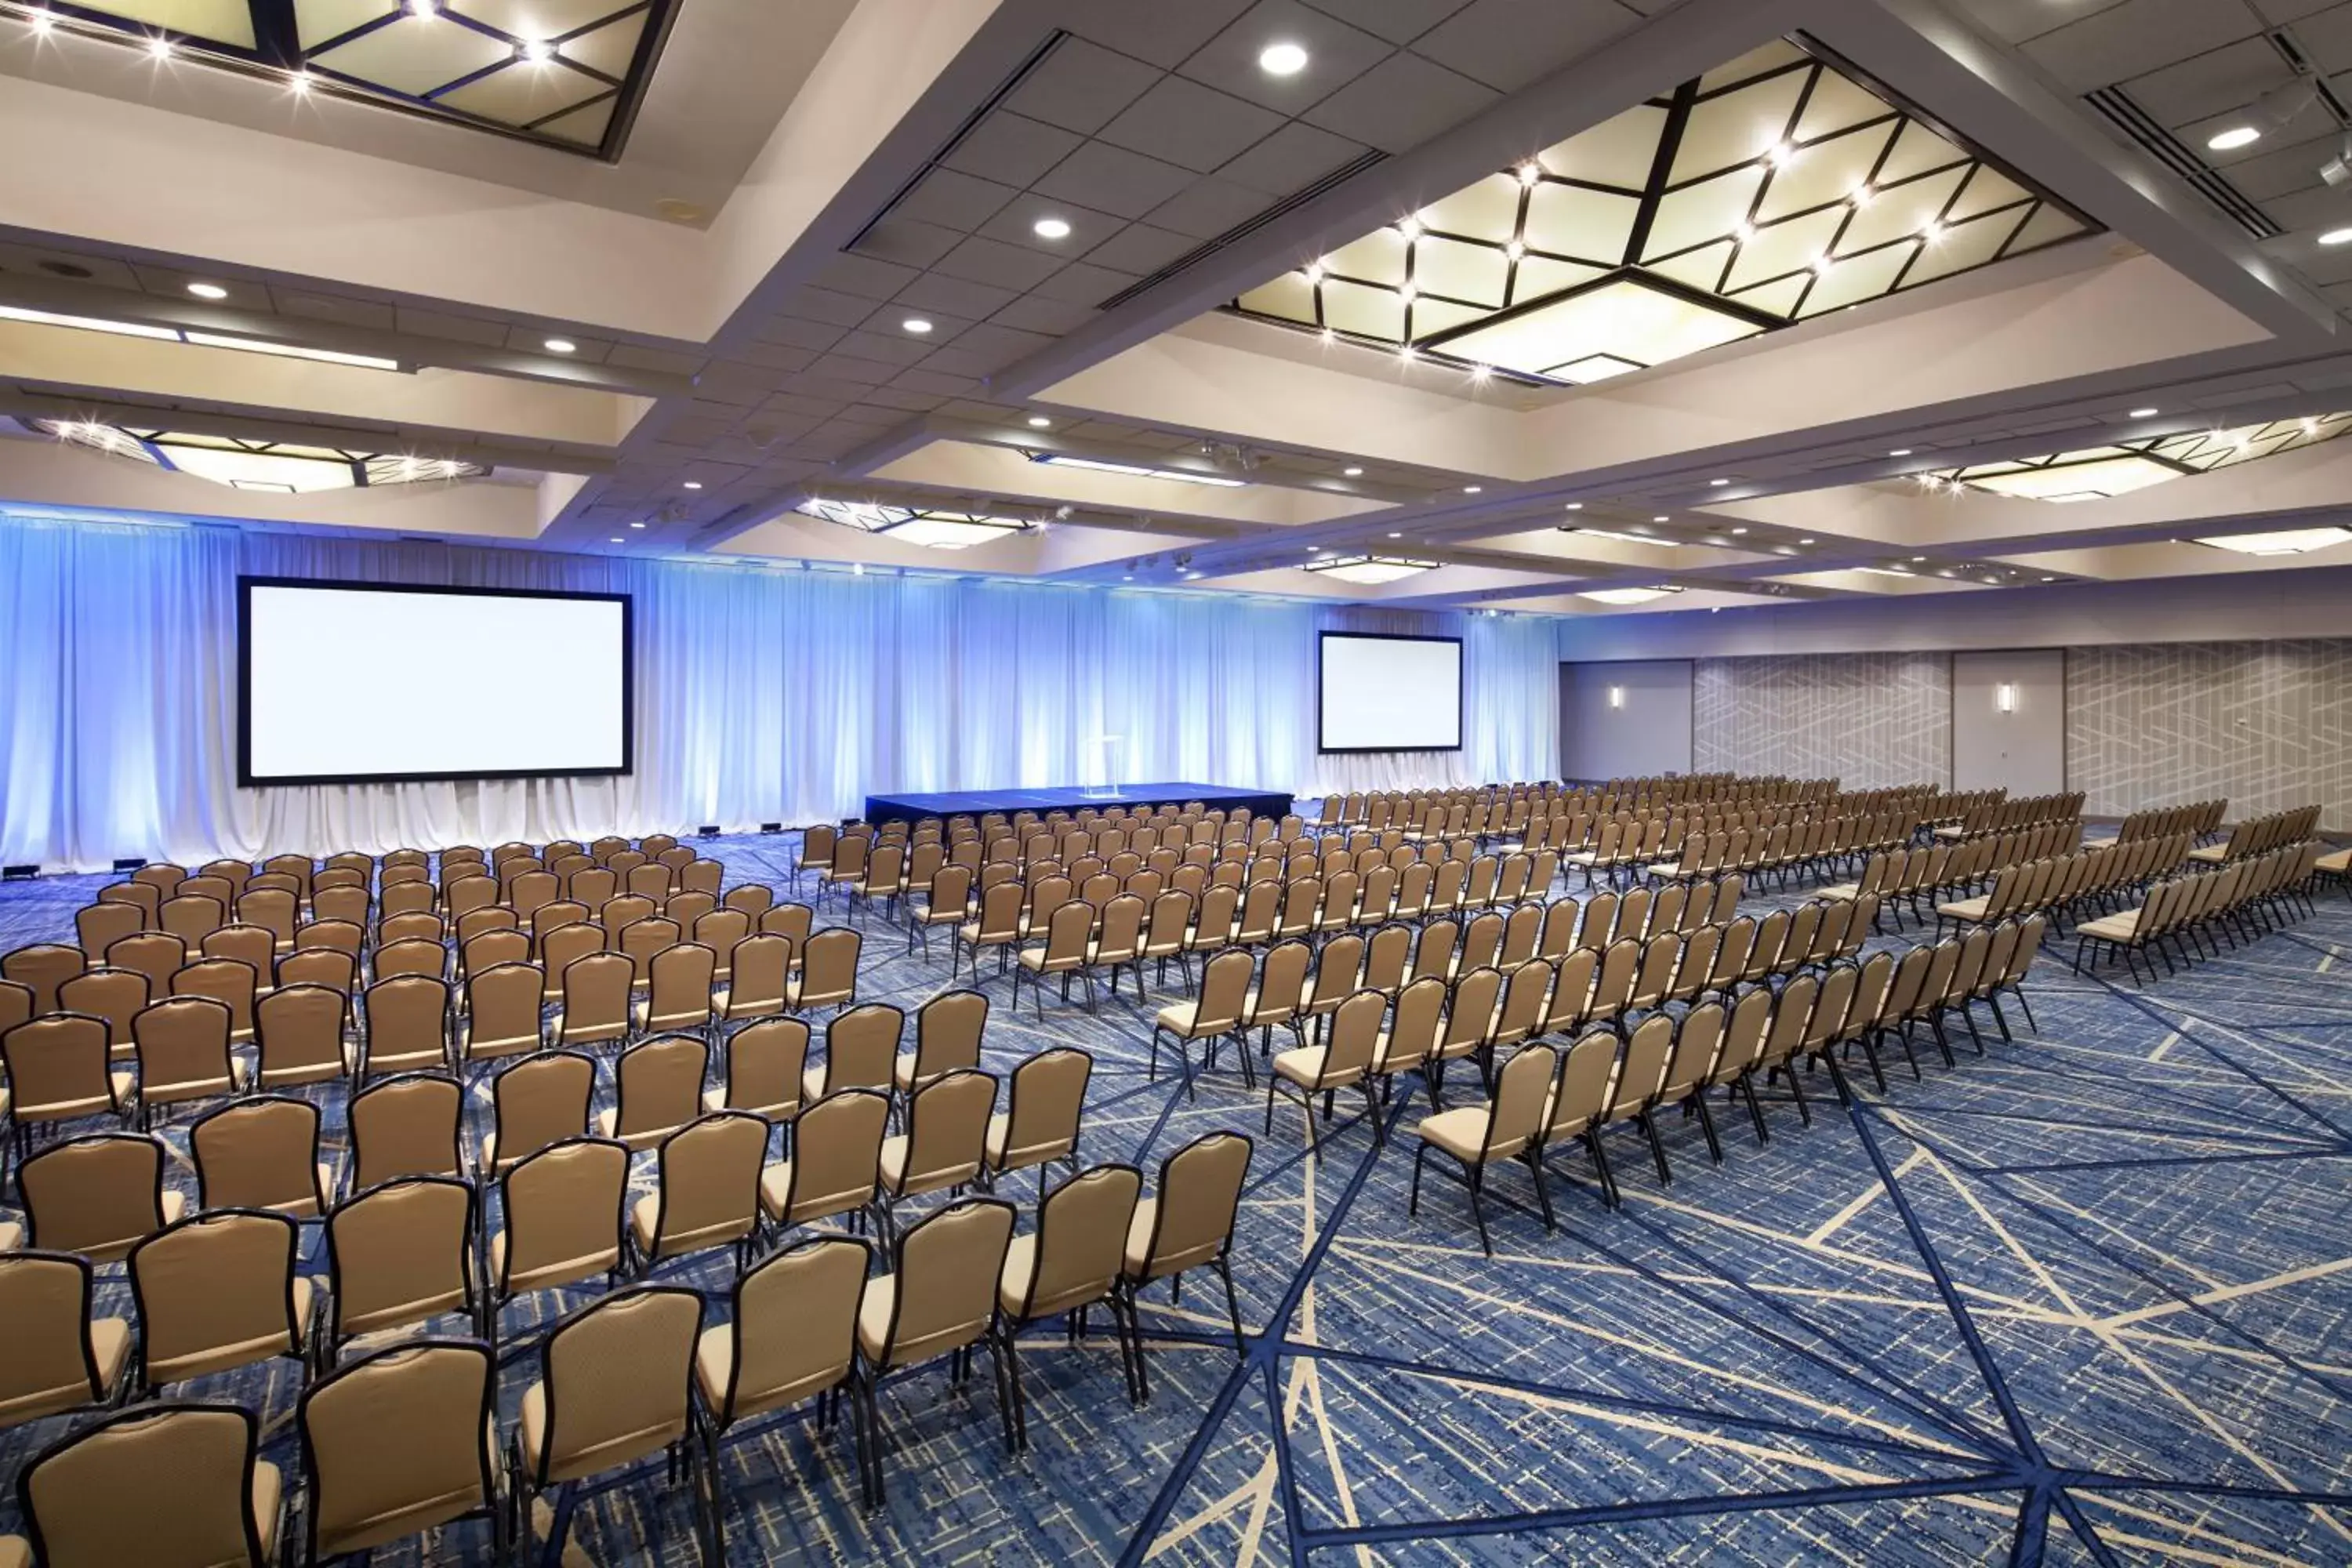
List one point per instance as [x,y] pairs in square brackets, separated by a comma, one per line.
[334,307]
[1401,102]
[662,360]
[890,347]
[1083,283]
[2135,37]
[1113,180]
[795,332]
[1162,32]
[825,305]
[1508,44]
[906,241]
[1011,148]
[1294,156]
[2226,79]
[457,329]
[1003,343]
[1398,21]
[779,357]
[963,362]
[2292,166]
[1016,225]
[1139,247]
[924,380]
[890,319]
[954,200]
[2328,37]
[1336,54]
[955,296]
[864,276]
[1187,123]
[1004,266]
[905,399]
[1209,207]
[1034,314]
[1079,86]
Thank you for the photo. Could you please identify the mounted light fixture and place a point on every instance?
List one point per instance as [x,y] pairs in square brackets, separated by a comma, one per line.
[1370,570]
[288,468]
[935,529]
[1626,596]
[2095,473]
[2004,696]
[1616,697]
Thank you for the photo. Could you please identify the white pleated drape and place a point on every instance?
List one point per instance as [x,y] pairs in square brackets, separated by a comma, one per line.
[763,694]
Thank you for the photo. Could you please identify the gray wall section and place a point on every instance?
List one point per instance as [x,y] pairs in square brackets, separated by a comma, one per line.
[2022,750]
[1649,734]
[1871,720]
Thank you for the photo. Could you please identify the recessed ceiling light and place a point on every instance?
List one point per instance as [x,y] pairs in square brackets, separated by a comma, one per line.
[1900,452]
[2234,137]
[1804,542]
[637,525]
[2144,413]
[1576,506]
[1051,228]
[1739,531]
[694,484]
[1396,536]
[1919,558]
[159,48]
[561,346]
[2292,541]
[1660,518]
[423,8]
[1039,422]
[41,22]
[538,51]
[1282,59]
[1472,489]
[1352,472]
[618,540]
[300,81]
[2335,236]
[1718,481]
[208,290]
[915,324]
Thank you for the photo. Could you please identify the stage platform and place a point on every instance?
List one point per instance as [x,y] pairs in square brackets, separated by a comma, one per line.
[907,807]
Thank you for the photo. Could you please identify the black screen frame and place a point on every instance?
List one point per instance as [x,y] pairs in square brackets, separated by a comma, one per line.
[1461,692]
[245,775]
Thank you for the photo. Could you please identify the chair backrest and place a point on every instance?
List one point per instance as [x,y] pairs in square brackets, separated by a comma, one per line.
[401,1252]
[861,1047]
[1583,1092]
[595,991]
[260,1153]
[795,1326]
[189,1467]
[946,1272]
[681,978]
[1192,1212]
[300,1028]
[764,1067]
[1644,1071]
[405,1126]
[95,1195]
[1043,1105]
[215,1291]
[1081,1240]
[539,1101]
[1282,980]
[48,1364]
[398,1442]
[836,1155]
[616,1380]
[117,995]
[829,965]
[1517,1115]
[657,1086]
[58,1067]
[947,1125]
[563,1211]
[948,1031]
[708,1192]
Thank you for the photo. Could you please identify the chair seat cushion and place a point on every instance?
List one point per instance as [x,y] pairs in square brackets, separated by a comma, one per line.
[2111,928]
[1459,1131]
[1965,908]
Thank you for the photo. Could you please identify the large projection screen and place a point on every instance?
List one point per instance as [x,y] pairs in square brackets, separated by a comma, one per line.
[382,682]
[1381,694]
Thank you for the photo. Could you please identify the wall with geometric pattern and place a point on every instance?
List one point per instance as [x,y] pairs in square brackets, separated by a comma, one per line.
[2268,724]
[1868,720]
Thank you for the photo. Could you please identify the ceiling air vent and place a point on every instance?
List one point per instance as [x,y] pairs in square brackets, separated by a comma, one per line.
[2167,149]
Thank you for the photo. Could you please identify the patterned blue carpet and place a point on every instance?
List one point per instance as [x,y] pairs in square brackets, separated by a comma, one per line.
[2085,1300]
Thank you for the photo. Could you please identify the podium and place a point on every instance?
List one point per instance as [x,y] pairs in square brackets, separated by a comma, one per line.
[1103,762]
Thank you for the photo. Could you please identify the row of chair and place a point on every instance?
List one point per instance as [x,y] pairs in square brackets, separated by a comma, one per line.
[1923,873]
[2198,819]
[2184,911]
[2260,835]
[2001,816]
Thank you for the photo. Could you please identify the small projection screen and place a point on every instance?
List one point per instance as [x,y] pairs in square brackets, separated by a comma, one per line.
[381,682]
[1378,693]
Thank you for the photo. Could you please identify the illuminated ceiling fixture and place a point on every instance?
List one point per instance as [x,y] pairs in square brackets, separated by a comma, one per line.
[288,468]
[208,290]
[2235,137]
[1370,570]
[1627,538]
[1051,228]
[1626,596]
[1282,59]
[461,62]
[1762,193]
[937,530]
[1061,461]
[2095,473]
[183,335]
[1882,570]
[2293,541]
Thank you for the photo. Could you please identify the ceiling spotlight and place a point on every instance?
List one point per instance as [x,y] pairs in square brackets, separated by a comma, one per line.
[1900,452]
[1396,536]
[1576,506]
[159,48]
[1408,227]
[1743,233]
[1660,518]
[423,8]
[1408,293]
[1918,558]
[1515,250]
[208,290]
[1529,172]
[2236,136]
[618,540]
[301,83]
[1051,228]
[1931,231]
[1472,489]
[1718,481]
[1282,59]
[1352,472]
[1804,542]
[1039,422]
[694,484]
[2335,236]
[1862,195]
[561,346]
[538,51]
[41,22]
[915,324]
[637,525]
[1780,152]
[2143,414]
[1739,531]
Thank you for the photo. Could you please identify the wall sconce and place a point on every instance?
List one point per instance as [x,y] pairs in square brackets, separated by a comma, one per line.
[1616,697]
[2004,698]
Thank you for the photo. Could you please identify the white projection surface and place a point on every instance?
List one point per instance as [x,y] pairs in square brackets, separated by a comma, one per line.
[355,683]
[1389,693]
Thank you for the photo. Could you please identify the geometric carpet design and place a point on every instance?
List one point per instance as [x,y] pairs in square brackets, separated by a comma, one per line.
[2084,1299]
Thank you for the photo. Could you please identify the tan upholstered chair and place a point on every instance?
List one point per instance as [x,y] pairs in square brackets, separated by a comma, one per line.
[658,1090]
[117,995]
[828,971]
[948,1031]
[183,1054]
[300,1029]
[262,1155]
[404,1025]
[54,1357]
[947,1132]
[1213,1014]
[502,1006]
[1040,1125]
[1343,1062]
[44,966]
[405,1126]
[861,1051]
[707,1191]
[98,1195]
[401,1442]
[1070,1262]
[563,1224]
[678,989]
[1189,1223]
[939,1300]
[162,1485]
[58,1072]
[763,1070]
[615,1387]
[595,1000]
[837,1161]
[399,1255]
[219,1291]
[759,974]
[793,1336]
[1579,1096]
[1504,1128]
[536,1103]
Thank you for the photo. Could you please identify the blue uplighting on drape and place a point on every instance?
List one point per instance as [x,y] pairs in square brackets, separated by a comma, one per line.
[763,694]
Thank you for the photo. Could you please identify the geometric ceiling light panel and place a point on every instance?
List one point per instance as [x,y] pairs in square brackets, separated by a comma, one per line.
[2293,541]
[914,525]
[1138,470]
[191,335]
[1626,596]
[1762,193]
[286,467]
[2095,473]
[563,73]
[1370,570]
[1622,537]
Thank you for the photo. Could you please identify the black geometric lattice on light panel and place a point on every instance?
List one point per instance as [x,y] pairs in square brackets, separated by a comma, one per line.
[2093,473]
[1769,191]
[563,73]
